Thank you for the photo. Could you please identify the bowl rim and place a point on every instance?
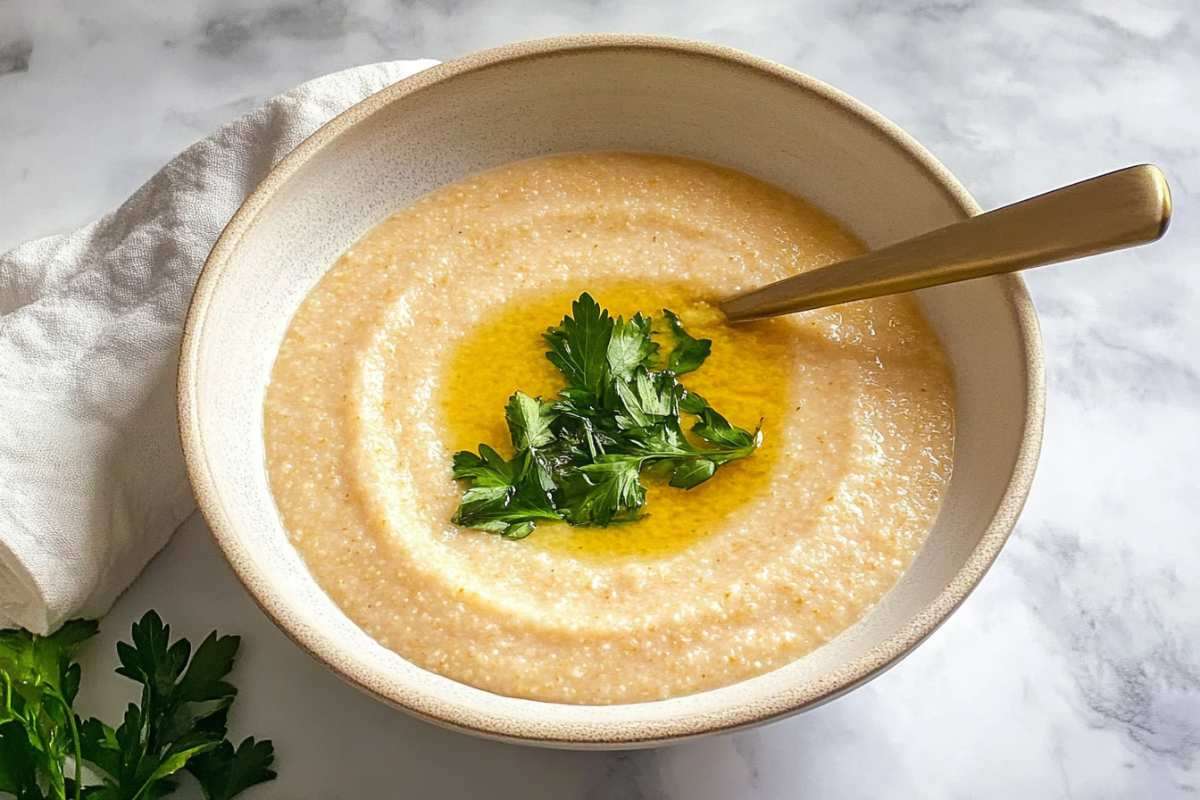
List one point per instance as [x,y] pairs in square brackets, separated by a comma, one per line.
[618,734]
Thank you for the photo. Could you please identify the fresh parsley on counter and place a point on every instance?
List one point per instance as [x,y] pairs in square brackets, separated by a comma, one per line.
[47,752]
[580,458]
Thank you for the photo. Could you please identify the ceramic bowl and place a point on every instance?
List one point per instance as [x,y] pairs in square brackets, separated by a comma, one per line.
[611,93]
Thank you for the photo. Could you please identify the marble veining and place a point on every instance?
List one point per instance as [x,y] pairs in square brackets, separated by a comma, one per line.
[14,56]
[1073,671]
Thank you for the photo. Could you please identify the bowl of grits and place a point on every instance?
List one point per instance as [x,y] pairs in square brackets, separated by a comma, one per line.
[506,270]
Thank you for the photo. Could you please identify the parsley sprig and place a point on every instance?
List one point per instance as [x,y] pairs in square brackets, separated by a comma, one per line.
[47,752]
[580,458]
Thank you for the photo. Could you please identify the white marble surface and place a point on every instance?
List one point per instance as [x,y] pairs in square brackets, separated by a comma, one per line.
[1074,670]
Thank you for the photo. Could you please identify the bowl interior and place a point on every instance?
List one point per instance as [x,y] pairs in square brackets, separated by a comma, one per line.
[628,94]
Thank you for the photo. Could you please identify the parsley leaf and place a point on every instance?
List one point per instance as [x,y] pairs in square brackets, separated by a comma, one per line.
[529,421]
[180,718]
[579,346]
[689,352]
[630,346]
[580,459]
[225,772]
[38,682]
[504,497]
[732,441]
[647,399]
[603,491]
[486,470]
[19,762]
[692,472]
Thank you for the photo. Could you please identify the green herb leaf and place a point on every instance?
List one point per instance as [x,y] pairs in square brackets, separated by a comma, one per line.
[19,762]
[734,442]
[176,757]
[529,420]
[185,700]
[630,346]
[647,399]
[692,472]
[579,346]
[604,491]
[689,352]
[503,495]
[180,718]
[691,403]
[518,530]
[151,660]
[580,458]
[488,469]
[38,681]
[225,772]
[99,745]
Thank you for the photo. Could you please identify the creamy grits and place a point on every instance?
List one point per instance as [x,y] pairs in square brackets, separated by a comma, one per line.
[409,346]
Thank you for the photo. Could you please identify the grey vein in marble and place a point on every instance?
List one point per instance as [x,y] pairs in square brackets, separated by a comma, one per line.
[14,56]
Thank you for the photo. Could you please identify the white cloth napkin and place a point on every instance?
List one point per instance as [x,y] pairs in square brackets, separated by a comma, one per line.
[92,482]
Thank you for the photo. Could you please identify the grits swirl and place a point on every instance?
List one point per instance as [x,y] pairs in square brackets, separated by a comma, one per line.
[408,347]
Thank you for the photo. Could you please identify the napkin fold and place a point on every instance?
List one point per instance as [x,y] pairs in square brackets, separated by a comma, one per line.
[92,480]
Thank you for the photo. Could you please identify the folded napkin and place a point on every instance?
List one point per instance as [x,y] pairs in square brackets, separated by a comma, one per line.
[92,481]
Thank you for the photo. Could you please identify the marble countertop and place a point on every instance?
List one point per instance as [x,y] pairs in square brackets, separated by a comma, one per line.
[1074,669]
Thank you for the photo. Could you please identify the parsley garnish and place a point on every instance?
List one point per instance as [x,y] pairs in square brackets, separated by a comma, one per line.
[580,458]
[45,748]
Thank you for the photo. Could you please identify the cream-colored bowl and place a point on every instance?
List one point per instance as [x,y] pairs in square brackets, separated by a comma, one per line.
[610,93]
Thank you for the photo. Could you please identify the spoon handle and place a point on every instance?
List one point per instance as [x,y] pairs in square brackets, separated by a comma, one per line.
[1128,207]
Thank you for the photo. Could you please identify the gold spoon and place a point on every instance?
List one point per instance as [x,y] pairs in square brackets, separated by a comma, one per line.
[1125,208]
